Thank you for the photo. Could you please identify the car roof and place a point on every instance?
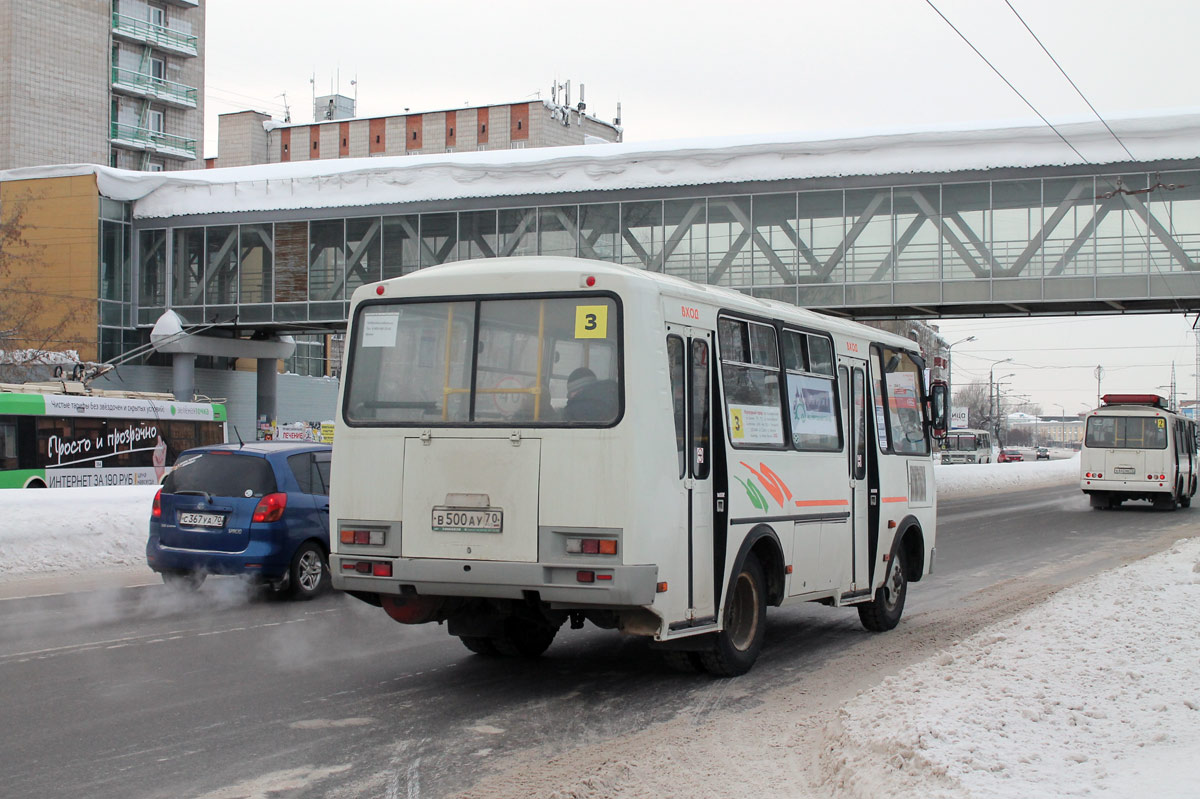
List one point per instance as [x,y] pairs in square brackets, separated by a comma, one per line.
[264,448]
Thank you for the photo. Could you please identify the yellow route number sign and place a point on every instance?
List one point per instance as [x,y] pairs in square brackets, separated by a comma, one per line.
[591,321]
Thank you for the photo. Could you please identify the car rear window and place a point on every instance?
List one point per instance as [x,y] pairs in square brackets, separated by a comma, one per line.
[221,475]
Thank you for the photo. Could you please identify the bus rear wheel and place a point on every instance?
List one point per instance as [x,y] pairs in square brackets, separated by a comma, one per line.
[523,638]
[883,612]
[736,647]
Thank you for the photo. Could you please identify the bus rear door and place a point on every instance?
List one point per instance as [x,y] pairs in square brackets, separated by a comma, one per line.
[852,375]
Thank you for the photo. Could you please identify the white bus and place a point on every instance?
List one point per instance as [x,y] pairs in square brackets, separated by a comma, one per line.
[523,442]
[1136,447]
[968,446]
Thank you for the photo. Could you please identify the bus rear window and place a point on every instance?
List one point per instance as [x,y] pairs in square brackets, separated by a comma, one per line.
[221,475]
[1127,432]
[493,362]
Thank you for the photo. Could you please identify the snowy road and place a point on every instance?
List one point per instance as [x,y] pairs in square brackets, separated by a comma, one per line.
[142,692]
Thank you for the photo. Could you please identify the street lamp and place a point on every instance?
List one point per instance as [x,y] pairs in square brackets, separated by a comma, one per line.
[950,370]
[991,382]
[1062,425]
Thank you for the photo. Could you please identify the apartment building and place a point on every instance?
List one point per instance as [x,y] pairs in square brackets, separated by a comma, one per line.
[251,137]
[88,81]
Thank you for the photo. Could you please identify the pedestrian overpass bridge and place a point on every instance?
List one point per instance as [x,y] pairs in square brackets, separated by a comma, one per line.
[940,223]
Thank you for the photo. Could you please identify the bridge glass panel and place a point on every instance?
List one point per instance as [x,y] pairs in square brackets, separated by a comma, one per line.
[729,260]
[917,253]
[1069,244]
[685,238]
[1016,226]
[1175,212]
[558,227]
[400,252]
[291,271]
[773,245]
[1121,234]
[820,232]
[966,220]
[187,268]
[364,238]
[439,238]
[869,236]
[256,245]
[477,235]
[518,231]
[152,277]
[327,260]
[220,271]
[642,234]
[599,232]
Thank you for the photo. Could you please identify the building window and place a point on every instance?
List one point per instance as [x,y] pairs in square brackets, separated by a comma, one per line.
[158,69]
[155,120]
[157,16]
[154,166]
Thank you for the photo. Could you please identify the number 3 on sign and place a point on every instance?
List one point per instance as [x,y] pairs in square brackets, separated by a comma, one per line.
[591,321]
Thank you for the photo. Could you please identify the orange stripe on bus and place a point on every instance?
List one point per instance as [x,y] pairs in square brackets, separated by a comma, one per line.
[808,503]
[895,499]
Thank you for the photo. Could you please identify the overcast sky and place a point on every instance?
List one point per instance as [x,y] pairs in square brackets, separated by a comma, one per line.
[697,68]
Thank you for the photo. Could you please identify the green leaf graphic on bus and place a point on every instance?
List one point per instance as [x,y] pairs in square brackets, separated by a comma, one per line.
[772,482]
[752,491]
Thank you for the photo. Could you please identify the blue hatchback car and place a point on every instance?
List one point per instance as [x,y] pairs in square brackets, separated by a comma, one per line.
[258,509]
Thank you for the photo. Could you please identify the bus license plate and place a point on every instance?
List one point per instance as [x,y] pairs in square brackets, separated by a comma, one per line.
[202,519]
[1123,470]
[467,520]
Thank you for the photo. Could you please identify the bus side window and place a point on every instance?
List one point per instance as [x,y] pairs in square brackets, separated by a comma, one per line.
[675,368]
[8,446]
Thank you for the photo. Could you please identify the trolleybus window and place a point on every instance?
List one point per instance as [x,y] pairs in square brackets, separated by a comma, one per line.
[675,367]
[541,361]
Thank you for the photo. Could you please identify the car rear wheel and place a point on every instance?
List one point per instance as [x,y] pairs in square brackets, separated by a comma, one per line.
[309,573]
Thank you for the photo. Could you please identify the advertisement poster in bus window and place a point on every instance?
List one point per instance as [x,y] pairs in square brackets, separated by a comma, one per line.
[755,424]
[811,407]
[880,426]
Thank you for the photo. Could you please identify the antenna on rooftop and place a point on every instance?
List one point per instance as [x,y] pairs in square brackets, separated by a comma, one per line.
[287,111]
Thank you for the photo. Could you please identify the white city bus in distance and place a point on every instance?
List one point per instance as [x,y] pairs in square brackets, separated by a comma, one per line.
[526,441]
[1136,447]
[968,445]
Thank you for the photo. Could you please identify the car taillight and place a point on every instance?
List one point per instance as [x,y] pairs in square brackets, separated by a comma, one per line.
[270,508]
[156,510]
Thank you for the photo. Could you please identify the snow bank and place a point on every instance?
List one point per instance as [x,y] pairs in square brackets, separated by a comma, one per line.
[1096,692]
[72,529]
[964,480]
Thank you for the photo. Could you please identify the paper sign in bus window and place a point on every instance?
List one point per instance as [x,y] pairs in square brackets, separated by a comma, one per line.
[591,321]
[379,329]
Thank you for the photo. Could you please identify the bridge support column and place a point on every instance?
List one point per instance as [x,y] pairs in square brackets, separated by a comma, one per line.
[183,376]
[268,380]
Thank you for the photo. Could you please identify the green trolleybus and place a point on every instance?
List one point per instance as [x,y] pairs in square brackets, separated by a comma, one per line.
[65,435]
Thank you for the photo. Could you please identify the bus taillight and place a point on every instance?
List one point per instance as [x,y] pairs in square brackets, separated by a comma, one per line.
[591,546]
[156,510]
[270,508]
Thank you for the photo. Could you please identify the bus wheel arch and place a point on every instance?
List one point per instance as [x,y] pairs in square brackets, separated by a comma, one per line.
[35,482]
[764,544]
[911,543]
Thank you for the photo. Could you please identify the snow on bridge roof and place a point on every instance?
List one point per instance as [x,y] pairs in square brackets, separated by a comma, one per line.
[346,182]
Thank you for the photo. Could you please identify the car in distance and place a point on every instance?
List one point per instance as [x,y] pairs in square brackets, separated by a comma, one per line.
[1009,455]
[259,509]
[1043,454]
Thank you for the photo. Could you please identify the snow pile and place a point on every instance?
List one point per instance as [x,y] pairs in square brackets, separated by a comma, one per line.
[73,529]
[964,480]
[1094,693]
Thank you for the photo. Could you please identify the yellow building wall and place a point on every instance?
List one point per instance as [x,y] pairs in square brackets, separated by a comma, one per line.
[53,265]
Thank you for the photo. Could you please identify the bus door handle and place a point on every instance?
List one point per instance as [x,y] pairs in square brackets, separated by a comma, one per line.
[874,496]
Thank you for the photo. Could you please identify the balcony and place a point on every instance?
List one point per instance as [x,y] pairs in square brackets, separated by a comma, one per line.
[184,3]
[142,32]
[132,137]
[142,84]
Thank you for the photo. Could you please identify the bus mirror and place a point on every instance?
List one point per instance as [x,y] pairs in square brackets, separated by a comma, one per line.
[938,401]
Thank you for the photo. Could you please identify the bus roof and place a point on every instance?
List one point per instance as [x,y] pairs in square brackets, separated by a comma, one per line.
[548,265]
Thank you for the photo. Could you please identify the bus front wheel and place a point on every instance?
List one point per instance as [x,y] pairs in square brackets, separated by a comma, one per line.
[736,647]
[883,612]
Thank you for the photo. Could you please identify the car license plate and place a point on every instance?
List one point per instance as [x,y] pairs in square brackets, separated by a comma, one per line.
[202,519]
[467,520]
[1123,470]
